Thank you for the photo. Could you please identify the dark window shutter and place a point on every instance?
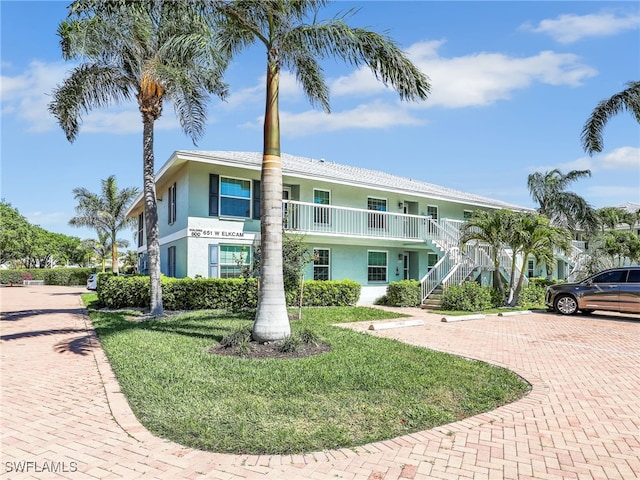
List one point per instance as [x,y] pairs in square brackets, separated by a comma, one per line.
[256,199]
[213,194]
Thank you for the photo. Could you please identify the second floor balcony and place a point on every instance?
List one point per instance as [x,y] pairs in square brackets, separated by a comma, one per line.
[311,218]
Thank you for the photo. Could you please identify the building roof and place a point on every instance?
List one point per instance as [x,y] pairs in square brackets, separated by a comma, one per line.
[345,174]
[630,207]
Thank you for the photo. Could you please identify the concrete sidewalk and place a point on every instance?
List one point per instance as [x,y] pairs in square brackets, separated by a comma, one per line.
[62,415]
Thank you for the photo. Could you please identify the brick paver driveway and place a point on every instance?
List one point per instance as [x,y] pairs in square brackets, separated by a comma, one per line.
[62,415]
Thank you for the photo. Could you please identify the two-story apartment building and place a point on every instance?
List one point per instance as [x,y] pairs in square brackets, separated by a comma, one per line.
[364,225]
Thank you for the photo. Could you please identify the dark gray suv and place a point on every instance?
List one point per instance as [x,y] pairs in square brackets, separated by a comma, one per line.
[615,289]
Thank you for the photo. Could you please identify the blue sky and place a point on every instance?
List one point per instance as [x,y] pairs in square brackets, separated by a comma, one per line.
[512,85]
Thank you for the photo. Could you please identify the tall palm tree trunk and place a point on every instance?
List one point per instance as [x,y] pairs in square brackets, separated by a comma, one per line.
[115,268]
[151,216]
[272,321]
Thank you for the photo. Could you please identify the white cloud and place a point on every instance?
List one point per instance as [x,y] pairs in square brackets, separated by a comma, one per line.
[255,94]
[27,95]
[620,159]
[375,115]
[571,28]
[477,79]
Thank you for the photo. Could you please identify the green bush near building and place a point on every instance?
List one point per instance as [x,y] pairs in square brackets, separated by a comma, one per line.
[468,297]
[216,293]
[50,276]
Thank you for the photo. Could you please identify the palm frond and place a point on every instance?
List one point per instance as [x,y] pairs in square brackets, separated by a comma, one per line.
[89,86]
[592,131]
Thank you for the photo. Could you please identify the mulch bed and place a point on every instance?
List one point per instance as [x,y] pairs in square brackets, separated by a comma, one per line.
[270,350]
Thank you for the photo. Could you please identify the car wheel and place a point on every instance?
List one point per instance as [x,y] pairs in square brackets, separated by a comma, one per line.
[587,311]
[566,305]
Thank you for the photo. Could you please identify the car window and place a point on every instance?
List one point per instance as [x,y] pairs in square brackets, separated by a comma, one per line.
[615,276]
[634,276]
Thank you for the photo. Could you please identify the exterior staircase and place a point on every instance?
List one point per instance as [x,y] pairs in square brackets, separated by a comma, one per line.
[434,300]
[457,264]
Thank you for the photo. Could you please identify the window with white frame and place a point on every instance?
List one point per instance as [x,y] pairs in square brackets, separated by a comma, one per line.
[235,197]
[432,211]
[234,259]
[321,263]
[171,262]
[530,269]
[467,214]
[377,220]
[321,214]
[376,266]
[172,202]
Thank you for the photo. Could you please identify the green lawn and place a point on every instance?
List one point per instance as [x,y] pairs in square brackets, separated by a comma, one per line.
[365,389]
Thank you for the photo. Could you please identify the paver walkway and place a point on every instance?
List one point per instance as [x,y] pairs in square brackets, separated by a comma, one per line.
[62,415]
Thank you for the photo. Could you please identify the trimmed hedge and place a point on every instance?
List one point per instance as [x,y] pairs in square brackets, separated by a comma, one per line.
[51,276]
[215,293]
[325,293]
[404,293]
[468,297]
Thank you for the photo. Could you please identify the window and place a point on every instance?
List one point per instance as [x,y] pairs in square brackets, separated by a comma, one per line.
[634,276]
[614,276]
[466,214]
[432,259]
[233,260]
[432,212]
[377,266]
[143,264]
[171,193]
[141,229]
[321,214]
[171,262]
[235,197]
[530,269]
[377,220]
[321,264]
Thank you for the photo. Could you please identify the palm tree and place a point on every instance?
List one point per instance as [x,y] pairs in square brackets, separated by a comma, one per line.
[103,247]
[533,235]
[563,208]
[294,39]
[628,99]
[150,50]
[494,228]
[611,217]
[106,212]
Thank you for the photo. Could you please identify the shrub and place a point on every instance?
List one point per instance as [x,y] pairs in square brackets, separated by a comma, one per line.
[289,344]
[238,337]
[532,296]
[307,335]
[324,293]
[51,276]
[468,297]
[405,293]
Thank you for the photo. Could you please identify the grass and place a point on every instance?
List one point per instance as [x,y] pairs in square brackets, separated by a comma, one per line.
[365,389]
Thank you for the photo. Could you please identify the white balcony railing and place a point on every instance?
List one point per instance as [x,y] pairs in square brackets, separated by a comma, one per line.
[311,218]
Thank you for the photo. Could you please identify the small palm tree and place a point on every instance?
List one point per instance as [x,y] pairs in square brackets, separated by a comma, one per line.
[533,235]
[293,39]
[150,51]
[106,212]
[628,99]
[494,228]
[563,208]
